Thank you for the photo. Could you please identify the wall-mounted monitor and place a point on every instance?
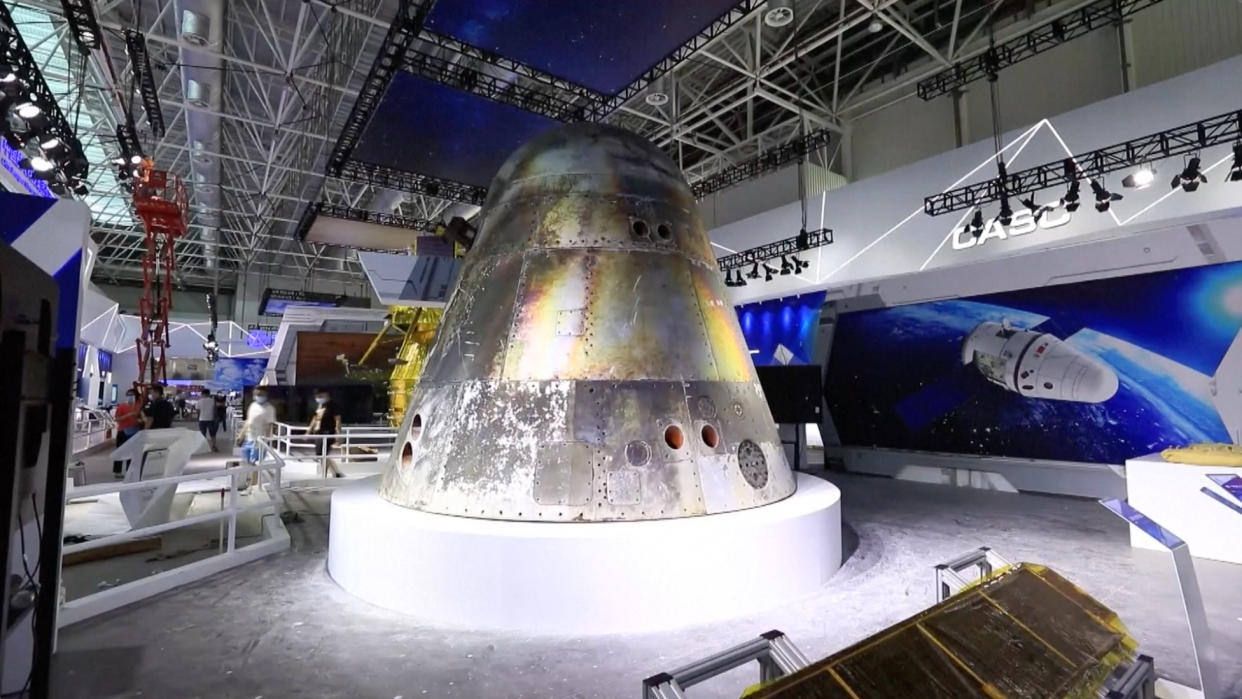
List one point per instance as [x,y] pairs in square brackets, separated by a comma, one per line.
[275,301]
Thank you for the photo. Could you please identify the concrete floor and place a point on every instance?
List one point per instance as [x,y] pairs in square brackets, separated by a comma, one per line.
[281,627]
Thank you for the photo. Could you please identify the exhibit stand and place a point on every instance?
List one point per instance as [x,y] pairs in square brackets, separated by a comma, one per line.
[155,454]
[1169,493]
[583,578]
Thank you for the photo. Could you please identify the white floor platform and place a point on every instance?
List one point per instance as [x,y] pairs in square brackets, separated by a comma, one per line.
[587,578]
[1169,493]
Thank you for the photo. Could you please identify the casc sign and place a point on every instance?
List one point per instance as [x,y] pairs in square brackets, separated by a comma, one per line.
[1023,222]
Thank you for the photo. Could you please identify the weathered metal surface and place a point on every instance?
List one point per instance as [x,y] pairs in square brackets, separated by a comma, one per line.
[589,366]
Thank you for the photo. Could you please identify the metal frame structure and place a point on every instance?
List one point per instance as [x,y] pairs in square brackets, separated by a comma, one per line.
[777,248]
[776,654]
[1103,13]
[377,217]
[1180,140]
[296,83]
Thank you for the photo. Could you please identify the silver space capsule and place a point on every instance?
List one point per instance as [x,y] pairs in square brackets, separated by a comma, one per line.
[589,366]
[1037,364]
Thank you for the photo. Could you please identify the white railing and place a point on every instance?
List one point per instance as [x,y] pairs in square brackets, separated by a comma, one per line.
[275,538]
[91,427]
[353,445]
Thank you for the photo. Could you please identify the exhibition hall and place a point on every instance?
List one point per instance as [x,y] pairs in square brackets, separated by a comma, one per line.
[592,349]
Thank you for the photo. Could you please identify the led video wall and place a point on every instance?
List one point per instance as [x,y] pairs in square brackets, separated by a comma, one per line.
[791,322]
[1096,372]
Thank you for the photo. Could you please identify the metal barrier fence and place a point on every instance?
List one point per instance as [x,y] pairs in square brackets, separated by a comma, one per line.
[275,537]
[354,444]
[91,427]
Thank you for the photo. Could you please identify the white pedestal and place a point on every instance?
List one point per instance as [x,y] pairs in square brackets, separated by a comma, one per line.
[587,578]
[1169,494]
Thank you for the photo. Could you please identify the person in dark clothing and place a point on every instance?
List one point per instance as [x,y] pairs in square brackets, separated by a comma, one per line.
[128,422]
[325,421]
[158,413]
[222,410]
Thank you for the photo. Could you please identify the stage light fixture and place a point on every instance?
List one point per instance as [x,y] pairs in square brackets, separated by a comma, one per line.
[135,159]
[976,223]
[786,267]
[1191,176]
[768,272]
[81,189]
[1006,212]
[1103,197]
[799,265]
[1072,199]
[1037,210]
[754,271]
[875,26]
[804,240]
[1140,178]
[1235,172]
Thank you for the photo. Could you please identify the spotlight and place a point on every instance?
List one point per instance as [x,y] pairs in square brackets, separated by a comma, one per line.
[768,272]
[81,189]
[728,282]
[804,240]
[1191,177]
[29,111]
[52,144]
[1006,212]
[876,26]
[1140,178]
[1235,172]
[799,265]
[754,271]
[1103,197]
[1071,199]
[135,159]
[786,267]
[976,223]
[1037,210]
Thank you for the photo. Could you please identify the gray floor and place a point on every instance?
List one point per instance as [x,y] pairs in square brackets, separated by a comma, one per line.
[281,627]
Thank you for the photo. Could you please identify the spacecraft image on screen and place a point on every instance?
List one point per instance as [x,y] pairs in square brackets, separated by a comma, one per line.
[1037,364]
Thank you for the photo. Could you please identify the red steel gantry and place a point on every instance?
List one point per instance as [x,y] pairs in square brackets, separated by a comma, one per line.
[160,201]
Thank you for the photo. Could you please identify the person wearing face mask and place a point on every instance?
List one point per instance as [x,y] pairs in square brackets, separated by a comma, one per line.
[157,414]
[260,416]
[325,421]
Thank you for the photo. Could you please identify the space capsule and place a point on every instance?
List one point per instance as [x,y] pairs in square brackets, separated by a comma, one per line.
[589,366]
[1037,364]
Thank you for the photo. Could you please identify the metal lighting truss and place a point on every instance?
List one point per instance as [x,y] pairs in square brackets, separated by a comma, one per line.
[1180,140]
[17,55]
[1102,13]
[411,14]
[82,23]
[468,79]
[775,249]
[406,181]
[770,161]
[140,67]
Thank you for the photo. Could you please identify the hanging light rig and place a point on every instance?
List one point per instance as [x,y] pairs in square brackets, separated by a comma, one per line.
[160,201]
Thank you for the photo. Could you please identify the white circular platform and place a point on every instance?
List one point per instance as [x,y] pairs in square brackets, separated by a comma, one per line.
[597,577]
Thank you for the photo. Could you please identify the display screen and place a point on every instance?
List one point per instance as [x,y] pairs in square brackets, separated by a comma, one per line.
[274,302]
[1099,371]
[105,361]
[602,44]
[791,322]
[425,127]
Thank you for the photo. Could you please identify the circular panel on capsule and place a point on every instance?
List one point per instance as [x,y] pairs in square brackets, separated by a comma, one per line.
[753,464]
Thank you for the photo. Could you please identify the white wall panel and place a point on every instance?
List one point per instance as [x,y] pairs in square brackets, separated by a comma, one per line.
[1177,36]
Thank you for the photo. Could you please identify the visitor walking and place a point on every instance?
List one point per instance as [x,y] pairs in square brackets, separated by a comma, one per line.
[325,421]
[157,414]
[207,423]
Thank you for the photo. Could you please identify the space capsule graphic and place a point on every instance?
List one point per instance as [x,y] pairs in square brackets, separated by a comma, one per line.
[588,366]
[1037,364]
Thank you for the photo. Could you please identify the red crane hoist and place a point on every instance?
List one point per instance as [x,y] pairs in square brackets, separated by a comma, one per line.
[160,201]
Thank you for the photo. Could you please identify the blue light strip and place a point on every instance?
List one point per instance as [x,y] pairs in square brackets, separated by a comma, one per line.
[12,162]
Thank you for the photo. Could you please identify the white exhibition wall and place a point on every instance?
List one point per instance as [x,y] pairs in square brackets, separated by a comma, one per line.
[881,231]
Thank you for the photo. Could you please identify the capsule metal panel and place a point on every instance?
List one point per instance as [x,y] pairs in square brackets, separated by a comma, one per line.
[589,367]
